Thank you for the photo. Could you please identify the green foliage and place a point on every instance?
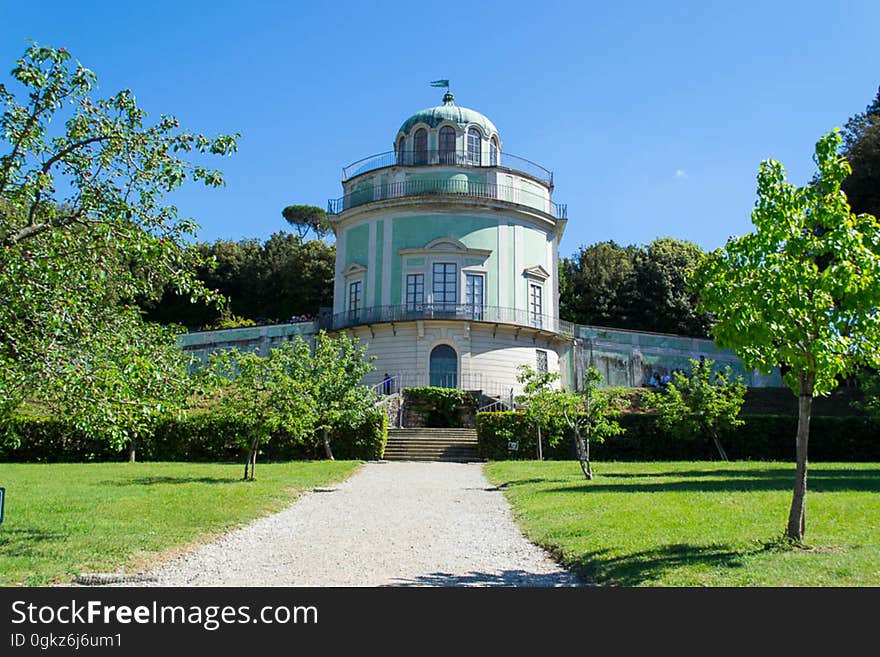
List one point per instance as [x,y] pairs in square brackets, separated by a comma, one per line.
[703,403]
[260,395]
[759,438]
[440,407]
[869,382]
[642,288]
[862,149]
[803,288]
[306,219]
[229,321]
[84,232]
[275,280]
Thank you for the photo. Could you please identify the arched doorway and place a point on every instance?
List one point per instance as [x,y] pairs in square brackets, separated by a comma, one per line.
[444,367]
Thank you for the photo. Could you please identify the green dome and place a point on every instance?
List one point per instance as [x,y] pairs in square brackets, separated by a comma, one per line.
[449,111]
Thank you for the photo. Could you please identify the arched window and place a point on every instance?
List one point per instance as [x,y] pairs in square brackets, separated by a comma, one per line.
[444,367]
[493,151]
[420,147]
[474,145]
[401,151]
[447,145]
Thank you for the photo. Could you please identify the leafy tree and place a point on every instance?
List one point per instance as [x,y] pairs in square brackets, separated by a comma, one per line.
[869,383]
[642,288]
[262,395]
[801,291]
[705,403]
[660,299]
[334,373]
[862,149]
[595,285]
[538,398]
[306,219]
[274,280]
[84,231]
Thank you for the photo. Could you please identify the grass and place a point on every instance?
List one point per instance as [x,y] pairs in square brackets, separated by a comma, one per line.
[699,523]
[63,519]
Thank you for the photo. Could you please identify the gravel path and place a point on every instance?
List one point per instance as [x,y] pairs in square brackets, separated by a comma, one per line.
[399,524]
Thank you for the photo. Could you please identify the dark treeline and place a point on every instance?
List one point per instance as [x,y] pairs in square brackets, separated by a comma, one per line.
[643,288]
[270,281]
[861,146]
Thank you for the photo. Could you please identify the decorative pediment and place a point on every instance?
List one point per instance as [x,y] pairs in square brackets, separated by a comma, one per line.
[353,270]
[447,246]
[537,272]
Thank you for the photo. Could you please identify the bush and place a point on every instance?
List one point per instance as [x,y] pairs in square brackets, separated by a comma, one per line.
[439,407]
[761,437]
[198,437]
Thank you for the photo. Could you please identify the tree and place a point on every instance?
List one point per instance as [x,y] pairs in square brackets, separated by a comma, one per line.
[660,299]
[84,232]
[862,149]
[705,403]
[801,291]
[334,373]
[538,398]
[306,219]
[595,285]
[262,395]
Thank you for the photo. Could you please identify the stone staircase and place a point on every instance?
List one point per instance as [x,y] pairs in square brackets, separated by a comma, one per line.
[423,444]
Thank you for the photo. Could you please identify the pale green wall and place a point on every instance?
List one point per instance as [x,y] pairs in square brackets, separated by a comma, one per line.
[357,244]
[378,261]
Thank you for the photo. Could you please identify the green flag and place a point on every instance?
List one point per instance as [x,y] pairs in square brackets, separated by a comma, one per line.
[440,83]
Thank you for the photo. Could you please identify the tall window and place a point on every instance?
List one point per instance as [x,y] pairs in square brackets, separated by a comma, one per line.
[542,361]
[493,151]
[354,299]
[474,144]
[420,146]
[401,150]
[415,291]
[447,145]
[536,305]
[445,288]
[474,295]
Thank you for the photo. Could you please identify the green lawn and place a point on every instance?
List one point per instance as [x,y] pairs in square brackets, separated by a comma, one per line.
[699,524]
[66,518]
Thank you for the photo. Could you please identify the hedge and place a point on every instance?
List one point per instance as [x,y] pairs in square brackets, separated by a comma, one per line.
[762,437]
[201,437]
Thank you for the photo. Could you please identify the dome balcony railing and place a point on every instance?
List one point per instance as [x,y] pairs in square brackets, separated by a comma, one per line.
[441,187]
[447,311]
[447,158]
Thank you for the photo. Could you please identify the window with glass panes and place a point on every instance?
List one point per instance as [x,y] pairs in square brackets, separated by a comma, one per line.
[445,283]
[542,361]
[536,304]
[447,145]
[354,296]
[493,152]
[474,145]
[415,290]
[474,295]
[420,147]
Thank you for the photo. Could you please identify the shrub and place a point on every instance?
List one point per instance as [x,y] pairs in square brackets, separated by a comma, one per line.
[440,407]
[761,437]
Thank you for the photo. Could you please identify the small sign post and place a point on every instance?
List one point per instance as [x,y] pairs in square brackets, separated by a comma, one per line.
[513,446]
[2,501]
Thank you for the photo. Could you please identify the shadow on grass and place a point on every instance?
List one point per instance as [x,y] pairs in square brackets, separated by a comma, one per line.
[504,578]
[153,481]
[649,566]
[26,542]
[711,480]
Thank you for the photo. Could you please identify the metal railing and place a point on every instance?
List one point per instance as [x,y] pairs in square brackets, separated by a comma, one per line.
[441,187]
[446,158]
[448,311]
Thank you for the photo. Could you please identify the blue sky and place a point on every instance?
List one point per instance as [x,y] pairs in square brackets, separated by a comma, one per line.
[654,116]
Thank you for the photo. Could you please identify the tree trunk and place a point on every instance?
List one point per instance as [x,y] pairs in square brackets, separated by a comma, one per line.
[131,450]
[721,452]
[251,460]
[797,515]
[583,455]
[327,451]
[540,453]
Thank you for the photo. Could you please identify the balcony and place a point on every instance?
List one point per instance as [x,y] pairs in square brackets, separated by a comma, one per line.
[447,158]
[447,188]
[447,311]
